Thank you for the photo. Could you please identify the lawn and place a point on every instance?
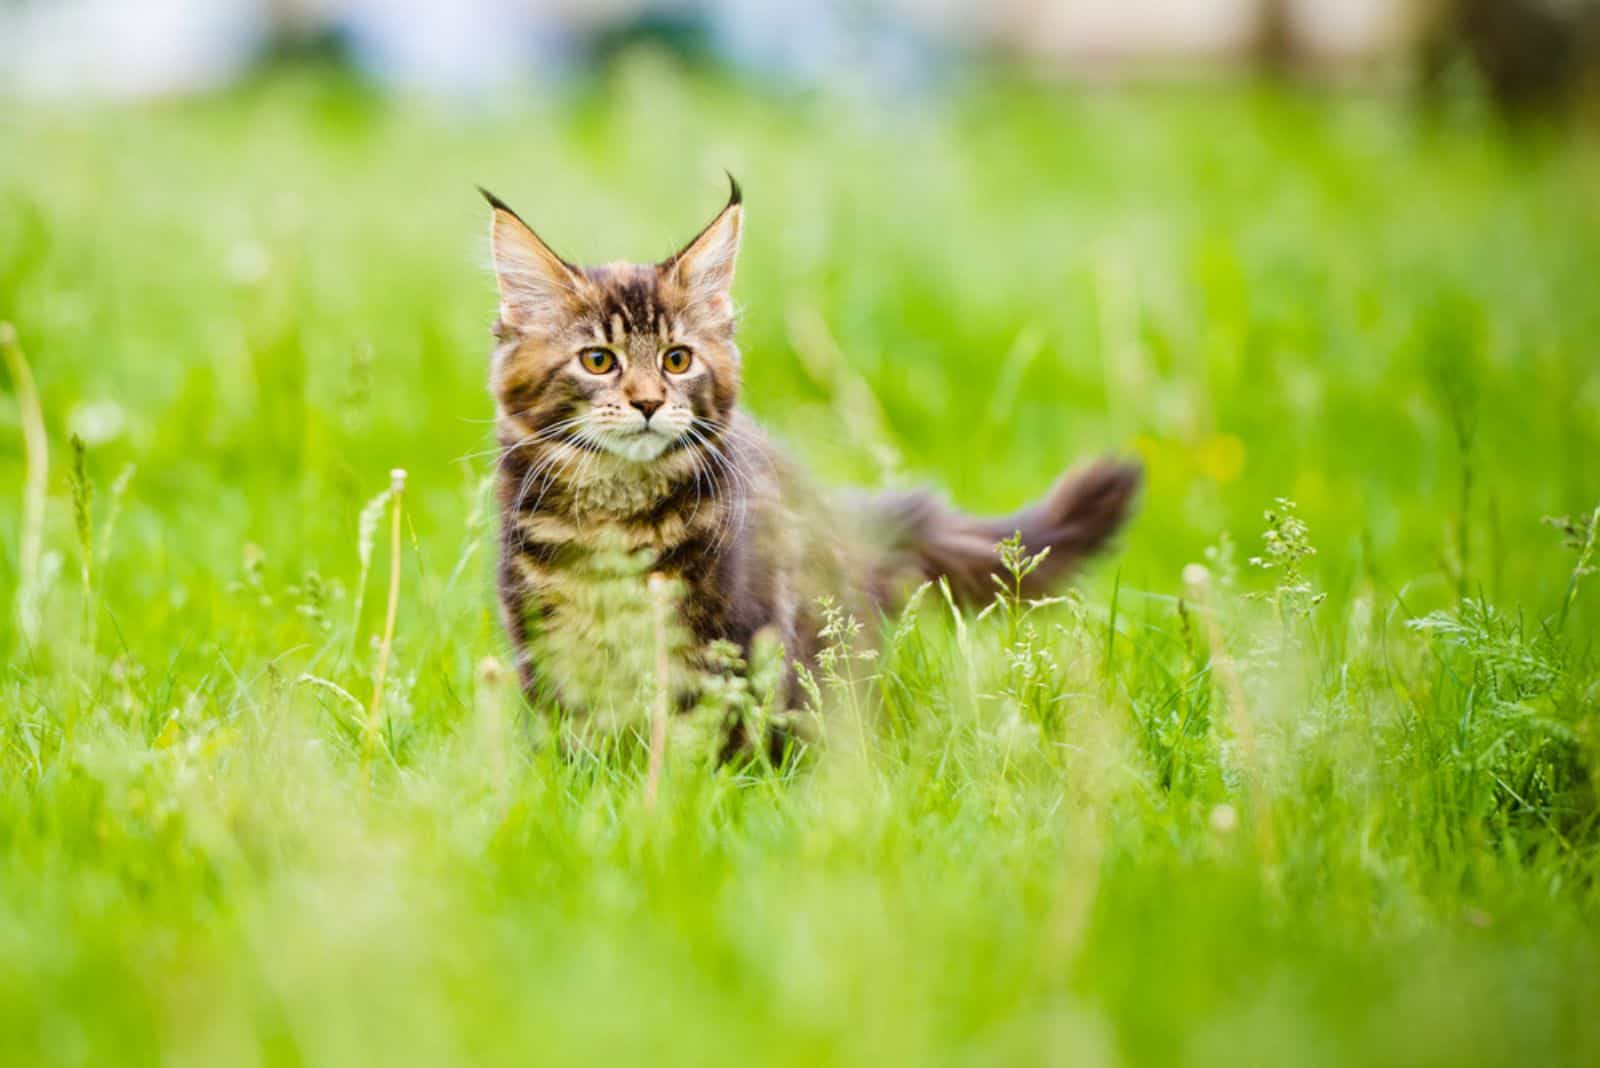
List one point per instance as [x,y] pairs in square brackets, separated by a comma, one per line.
[1336,809]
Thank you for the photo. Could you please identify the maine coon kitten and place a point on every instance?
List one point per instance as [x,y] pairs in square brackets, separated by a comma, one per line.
[616,393]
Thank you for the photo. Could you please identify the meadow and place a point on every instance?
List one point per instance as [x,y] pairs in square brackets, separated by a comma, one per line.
[1305,771]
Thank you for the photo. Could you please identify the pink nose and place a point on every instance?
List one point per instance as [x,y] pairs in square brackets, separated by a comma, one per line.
[648,407]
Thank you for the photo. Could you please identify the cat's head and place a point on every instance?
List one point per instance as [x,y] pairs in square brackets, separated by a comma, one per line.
[629,359]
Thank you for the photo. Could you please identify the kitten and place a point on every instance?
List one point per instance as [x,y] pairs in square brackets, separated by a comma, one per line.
[616,393]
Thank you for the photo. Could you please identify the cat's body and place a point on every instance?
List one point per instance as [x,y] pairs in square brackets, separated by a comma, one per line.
[616,391]
[742,558]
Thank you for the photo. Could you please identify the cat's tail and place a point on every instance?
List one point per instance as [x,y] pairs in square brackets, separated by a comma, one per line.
[922,535]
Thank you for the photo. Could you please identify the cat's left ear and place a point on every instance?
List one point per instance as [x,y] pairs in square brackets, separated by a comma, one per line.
[535,283]
[704,267]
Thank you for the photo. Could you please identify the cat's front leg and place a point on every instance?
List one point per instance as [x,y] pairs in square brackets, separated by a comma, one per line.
[519,607]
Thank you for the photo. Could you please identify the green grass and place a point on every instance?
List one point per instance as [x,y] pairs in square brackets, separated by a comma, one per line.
[1127,829]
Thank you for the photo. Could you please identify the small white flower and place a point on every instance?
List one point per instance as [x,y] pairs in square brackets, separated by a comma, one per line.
[98,422]
[248,262]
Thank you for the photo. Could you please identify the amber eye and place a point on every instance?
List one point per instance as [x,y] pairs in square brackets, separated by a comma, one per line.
[676,361]
[597,361]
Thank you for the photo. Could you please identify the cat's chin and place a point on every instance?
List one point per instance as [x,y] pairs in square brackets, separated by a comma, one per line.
[640,448]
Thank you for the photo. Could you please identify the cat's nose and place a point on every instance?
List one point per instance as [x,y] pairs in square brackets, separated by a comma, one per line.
[646,405]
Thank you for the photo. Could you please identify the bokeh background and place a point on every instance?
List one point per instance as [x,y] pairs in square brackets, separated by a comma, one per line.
[1284,248]
[1526,50]
[1337,251]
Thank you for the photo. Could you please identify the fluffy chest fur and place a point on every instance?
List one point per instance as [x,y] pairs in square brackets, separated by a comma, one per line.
[577,555]
[618,494]
[590,628]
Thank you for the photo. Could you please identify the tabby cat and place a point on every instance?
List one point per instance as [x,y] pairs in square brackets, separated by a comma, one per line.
[616,392]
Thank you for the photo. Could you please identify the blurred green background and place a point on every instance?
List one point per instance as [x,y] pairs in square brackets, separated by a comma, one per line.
[270,299]
[251,305]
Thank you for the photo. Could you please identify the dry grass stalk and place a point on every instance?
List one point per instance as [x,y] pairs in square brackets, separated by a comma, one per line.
[397,494]
[36,447]
[494,730]
[661,607]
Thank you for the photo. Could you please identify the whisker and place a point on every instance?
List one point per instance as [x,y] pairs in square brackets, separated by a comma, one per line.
[717,461]
[552,468]
[505,450]
[544,434]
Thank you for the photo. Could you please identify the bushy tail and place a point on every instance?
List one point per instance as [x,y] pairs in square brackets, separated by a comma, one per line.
[1076,519]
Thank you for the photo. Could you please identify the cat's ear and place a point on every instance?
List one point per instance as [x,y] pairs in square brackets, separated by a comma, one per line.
[534,281]
[704,267]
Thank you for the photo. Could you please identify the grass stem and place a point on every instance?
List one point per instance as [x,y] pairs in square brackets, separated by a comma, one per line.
[36,447]
[1197,588]
[1586,551]
[370,736]
[660,606]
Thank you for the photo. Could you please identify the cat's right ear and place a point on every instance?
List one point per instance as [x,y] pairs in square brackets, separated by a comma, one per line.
[534,282]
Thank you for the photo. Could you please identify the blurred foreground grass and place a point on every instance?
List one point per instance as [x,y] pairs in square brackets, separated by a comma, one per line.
[1246,826]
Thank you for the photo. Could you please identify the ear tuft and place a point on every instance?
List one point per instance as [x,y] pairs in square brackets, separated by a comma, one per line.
[534,281]
[704,267]
[495,202]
